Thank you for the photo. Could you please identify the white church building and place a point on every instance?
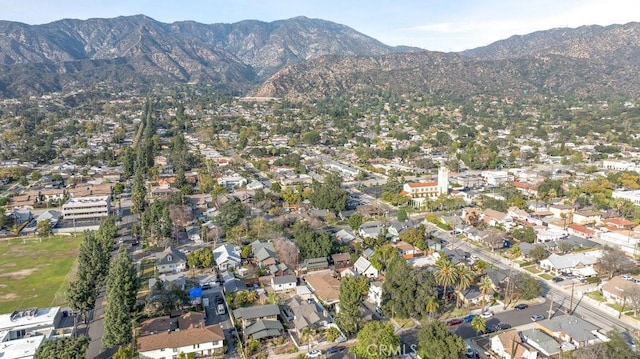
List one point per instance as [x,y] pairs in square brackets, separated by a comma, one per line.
[419,192]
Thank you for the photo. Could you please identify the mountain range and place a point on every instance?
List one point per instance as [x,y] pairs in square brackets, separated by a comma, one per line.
[302,59]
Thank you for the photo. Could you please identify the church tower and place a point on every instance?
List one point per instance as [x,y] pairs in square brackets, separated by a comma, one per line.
[443,180]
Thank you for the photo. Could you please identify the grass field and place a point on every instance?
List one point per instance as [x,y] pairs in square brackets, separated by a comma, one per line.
[34,273]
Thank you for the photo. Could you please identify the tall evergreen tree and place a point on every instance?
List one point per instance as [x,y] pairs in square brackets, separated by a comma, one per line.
[122,286]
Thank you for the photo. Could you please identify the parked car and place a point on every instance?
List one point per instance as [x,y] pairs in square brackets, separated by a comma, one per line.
[537,317]
[521,306]
[470,352]
[455,321]
[314,353]
[557,279]
[469,317]
[334,350]
[503,326]
[487,315]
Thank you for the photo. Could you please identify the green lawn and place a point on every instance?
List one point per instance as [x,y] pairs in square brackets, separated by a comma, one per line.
[597,295]
[533,269]
[34,273]
[546,276]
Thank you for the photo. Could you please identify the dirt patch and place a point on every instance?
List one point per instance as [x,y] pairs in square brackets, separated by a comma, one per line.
[19,274]
[10,264]
[8,297]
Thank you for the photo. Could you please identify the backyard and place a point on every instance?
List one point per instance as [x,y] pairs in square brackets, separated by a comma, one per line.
[34,273]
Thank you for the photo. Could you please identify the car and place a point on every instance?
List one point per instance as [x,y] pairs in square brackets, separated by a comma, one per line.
[314,353]
[557,279]
[455,321]
[502,326]
[470,352]
[537,317]
[334,350]
[486,315]
[626,277]
[469,317]
[521,306]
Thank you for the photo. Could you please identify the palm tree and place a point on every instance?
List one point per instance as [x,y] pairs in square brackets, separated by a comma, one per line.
[251,296]
[479,324]
[446,274]
[432,306]
[486,286]
[480,266]
[516,252]
[306,335]
[464,278]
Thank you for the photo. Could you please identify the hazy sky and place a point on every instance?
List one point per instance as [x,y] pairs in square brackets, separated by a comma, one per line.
[447,25]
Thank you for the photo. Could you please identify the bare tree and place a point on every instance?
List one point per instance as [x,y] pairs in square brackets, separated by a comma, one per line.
[180,215]
[633,296]
[616,261]
[287,251]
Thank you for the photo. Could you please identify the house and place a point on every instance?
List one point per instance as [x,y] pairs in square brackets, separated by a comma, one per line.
[193,233]
[472,295]
[540,341]
[369,230]
[202,342]
[264,253]
[263,329]
[496,218]
[375,293]
[325,286]
[226,257]
[169,279]
[284,282]
[617,224]
[232,182]
[308,314]
[571,329]
[250,315]
[341,260]
[509,345]
[406,250]
[279,269]
[345,236]
[363,267]
[580,230]
[255,185]
[584,217]
[576,263]
[614,290]
[233,285]
[171,260]
[314,264]
[498,277]
[562,211]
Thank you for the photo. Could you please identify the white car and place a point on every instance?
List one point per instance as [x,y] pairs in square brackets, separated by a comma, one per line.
[486,315]
[314,353]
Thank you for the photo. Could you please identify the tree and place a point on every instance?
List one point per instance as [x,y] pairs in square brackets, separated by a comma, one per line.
[479,324]
[435,341]
[565,247]
[464,278]
[538,253]
[138,192]
[382,256]
[633,296]
[328,194]
[230,214]
[432,306]
[485,285]
[406,290]
[287,252]
[68,348]
[446,274]
[527,286]
[312,244]
[376,340]
[122,287]
[616,261]
[124,352]
[524,234]
[616,347]
[402,215]
[355,221]
[351,291]
[44,228]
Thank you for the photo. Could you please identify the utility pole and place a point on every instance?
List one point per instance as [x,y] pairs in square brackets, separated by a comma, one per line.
[571,301]
[624,299]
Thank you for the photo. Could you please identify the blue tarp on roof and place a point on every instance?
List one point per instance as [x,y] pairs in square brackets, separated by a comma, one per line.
[195,293]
